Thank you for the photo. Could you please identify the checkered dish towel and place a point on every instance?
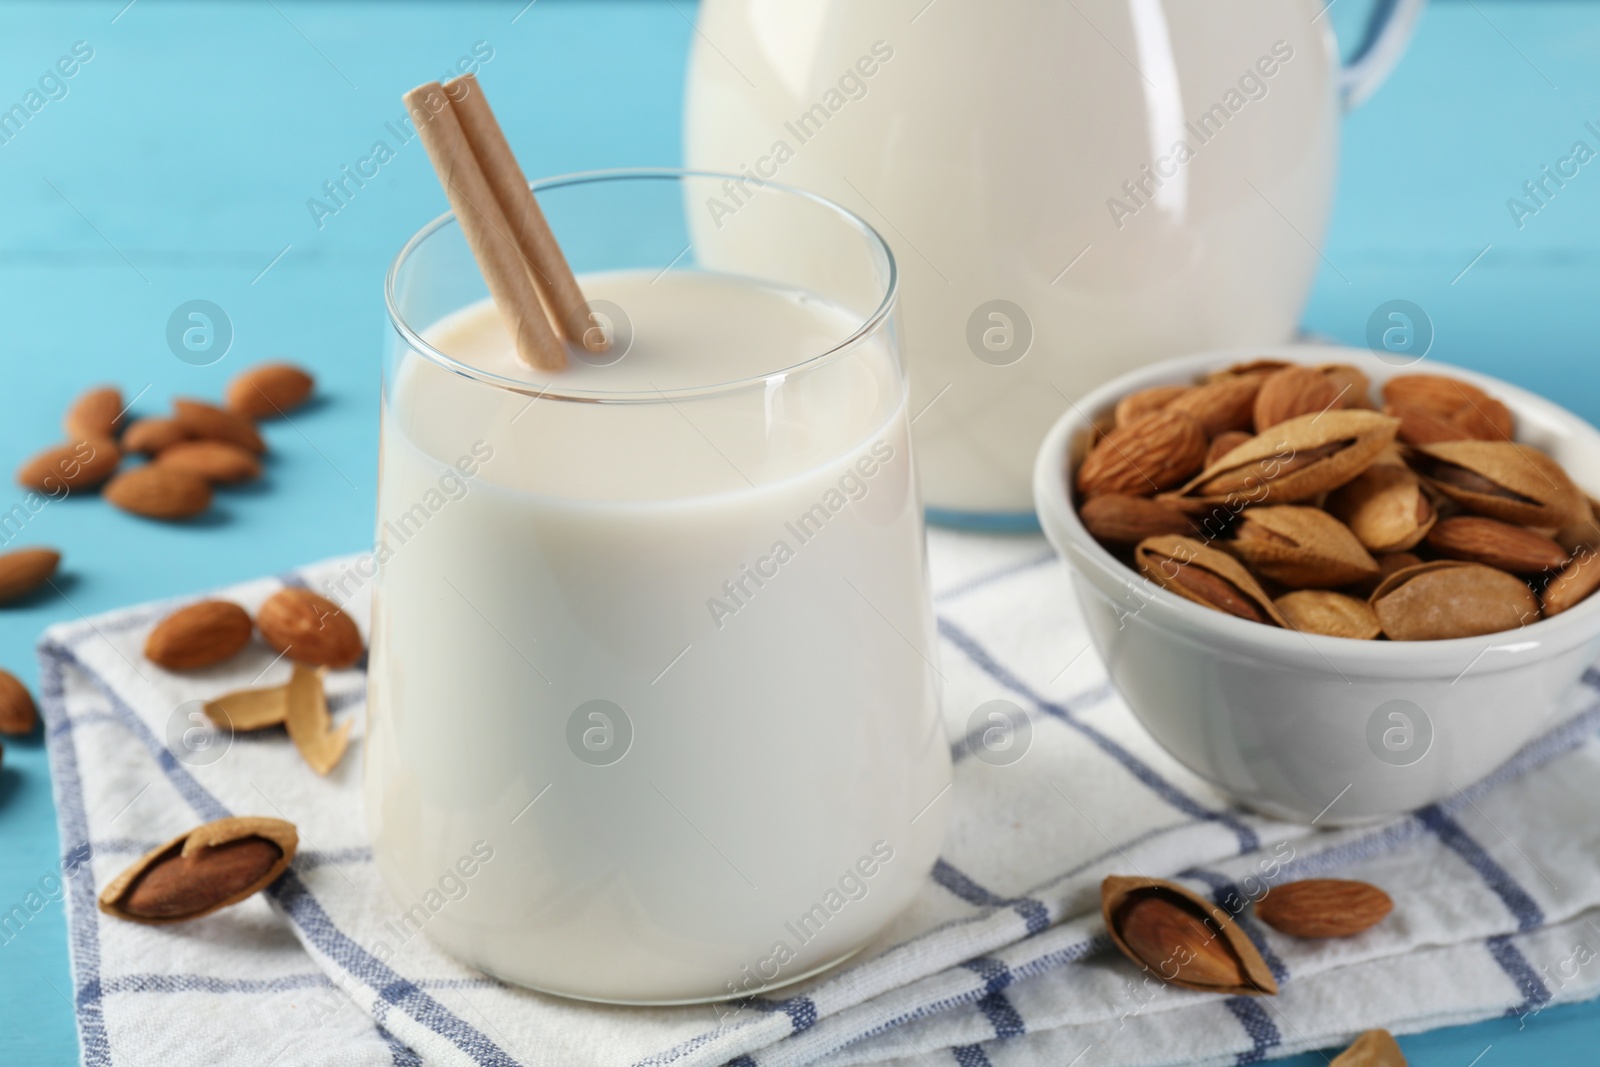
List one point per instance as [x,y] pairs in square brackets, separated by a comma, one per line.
[1001,960]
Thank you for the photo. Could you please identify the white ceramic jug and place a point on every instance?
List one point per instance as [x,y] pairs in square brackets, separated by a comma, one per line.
[1071,187]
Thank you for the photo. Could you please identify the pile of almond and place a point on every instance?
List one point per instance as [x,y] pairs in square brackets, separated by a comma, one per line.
[309,630]
[1280,493]
[200,445]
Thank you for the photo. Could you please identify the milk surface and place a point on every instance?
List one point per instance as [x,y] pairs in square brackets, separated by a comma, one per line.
[729,591]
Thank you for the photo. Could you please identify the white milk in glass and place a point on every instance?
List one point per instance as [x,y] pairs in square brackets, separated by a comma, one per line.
[667,661]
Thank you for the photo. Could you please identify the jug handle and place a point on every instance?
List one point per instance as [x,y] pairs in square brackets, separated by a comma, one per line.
[1384,41]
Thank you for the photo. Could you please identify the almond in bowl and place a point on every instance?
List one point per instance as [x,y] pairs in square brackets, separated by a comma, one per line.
[1326,615]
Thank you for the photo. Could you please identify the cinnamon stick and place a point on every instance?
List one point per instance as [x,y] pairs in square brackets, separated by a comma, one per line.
[484,223]
[552,277]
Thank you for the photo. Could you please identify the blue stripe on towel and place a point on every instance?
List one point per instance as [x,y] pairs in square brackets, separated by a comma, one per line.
[1516,965]
[1002,1016]
[1249,840]
[1511,960]
[85,932]
[1034,913]
[303,908]
[1527,912]
[1262,1030]
[970,1056]
[996,975]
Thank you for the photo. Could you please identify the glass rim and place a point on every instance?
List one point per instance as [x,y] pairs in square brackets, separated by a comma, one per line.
[865,329]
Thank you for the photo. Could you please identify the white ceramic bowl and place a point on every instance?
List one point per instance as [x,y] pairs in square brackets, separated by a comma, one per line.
[1286,722]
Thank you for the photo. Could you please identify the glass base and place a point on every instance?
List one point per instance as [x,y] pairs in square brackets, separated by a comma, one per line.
[645,1002]
[1009,522]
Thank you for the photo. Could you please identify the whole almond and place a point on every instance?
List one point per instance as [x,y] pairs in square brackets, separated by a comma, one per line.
[1487,419]
[1301,547]
[1321,611]
[26,569]
[1223,406]
[1146,402]
[1423,426]
[75,465]
[1448,598]
[1438,393]
[1496,544]
[156,492]
[18,713]
[1182,938]
[207,421]
[199,635]
[1351,386]
[1257,368]
[269,390]
[1224,443]
[1116,519]
[1292,392]
[1151,453]
[1375,1048]
[218,462]
[1576,583]
[97,414]
[1323,907]
[196,873]
[151,435]
[309,629]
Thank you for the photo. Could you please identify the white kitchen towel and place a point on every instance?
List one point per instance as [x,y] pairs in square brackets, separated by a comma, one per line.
[1001,960]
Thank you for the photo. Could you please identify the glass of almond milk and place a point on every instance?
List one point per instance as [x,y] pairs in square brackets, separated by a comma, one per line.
[653,632]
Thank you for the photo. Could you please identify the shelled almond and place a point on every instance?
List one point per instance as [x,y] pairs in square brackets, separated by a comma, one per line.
[1279,493]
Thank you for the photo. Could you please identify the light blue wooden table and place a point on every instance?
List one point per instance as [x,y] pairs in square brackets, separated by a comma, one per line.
[178,163]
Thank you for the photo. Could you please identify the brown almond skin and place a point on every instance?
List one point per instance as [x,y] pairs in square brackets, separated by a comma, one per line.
[1152,453]
[1181,938]
[97,414]
[218,462]
[269,390]
[1375,1048]
[75,465]
[155,492]
[26,569]
[196,873]
[1448,599]
[1496,544]
[199,635]
[1293,461]
[18,712]
[1224,443]
[1292,392]
[209,422]
[1575,584]
[1351,386]
[1422,426]
[309,629]
[1146,402]
[1225,406]
[1438,393]
[1321,611]
[1487,420]
[1323,907]
[151,435]
[1115,519]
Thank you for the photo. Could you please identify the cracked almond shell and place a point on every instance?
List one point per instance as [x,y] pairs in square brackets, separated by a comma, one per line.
[1502,480]
[1301,547]
[202,871]
[1293,461]
[1205,576]
[1446,599]
[1185,940]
